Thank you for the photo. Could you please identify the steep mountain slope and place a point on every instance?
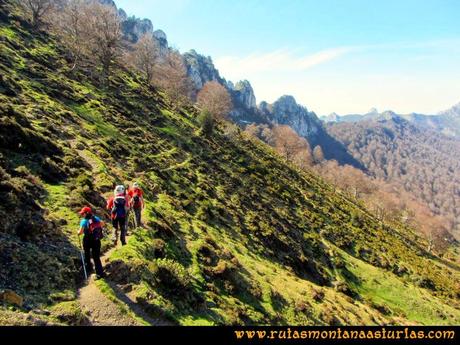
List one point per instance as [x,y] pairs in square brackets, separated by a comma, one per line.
[234,234]
[421,161]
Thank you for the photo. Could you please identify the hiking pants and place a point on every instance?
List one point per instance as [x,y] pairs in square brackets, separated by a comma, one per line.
[137,213]
[119,223]
[92,248]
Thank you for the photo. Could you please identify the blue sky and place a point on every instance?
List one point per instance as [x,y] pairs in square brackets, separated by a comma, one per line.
[331,55]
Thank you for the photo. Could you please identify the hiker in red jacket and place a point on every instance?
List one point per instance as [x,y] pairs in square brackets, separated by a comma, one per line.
[118,206]
[136,196]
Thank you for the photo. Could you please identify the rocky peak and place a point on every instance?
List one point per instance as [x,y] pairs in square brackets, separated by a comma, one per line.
[264,107]
[287,107]
[333,117]
[286,111]
[162,42]
[244,94]
[134,28]
[286,103]
[160,36]
[201,69]
[230,86]
[388,114]
[372,111]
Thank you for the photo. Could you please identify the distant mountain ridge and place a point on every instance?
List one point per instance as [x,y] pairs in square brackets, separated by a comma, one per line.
[447,122]
[453,111]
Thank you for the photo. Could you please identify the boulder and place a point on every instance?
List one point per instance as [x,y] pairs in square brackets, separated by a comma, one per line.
[11,297]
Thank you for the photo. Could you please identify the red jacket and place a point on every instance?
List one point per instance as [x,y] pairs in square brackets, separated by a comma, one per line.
[136,191]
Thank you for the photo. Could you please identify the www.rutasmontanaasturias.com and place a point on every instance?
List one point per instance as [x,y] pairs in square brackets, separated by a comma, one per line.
[339,333]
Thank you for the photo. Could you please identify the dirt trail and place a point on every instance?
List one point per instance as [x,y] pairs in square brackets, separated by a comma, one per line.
[104,312]
[101,310]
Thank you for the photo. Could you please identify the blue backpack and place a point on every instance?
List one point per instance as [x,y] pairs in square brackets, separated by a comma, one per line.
[119,207]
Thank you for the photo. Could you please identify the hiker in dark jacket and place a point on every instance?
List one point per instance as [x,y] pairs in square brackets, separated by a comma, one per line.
[91,228]
[118,206]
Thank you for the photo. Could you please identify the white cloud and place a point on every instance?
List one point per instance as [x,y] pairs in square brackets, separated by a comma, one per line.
[282,60]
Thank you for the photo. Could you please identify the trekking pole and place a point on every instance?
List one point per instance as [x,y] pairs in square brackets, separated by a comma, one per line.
[82,258]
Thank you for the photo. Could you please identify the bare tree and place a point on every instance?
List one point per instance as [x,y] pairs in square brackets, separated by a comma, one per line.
[171,76]
[286,142]
[105,37]
[318,154]
[144,56]
[254,130]
[70,25]
[216,99]
[37,10]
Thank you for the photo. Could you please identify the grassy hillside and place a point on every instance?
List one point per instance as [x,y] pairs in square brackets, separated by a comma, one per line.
[234,235]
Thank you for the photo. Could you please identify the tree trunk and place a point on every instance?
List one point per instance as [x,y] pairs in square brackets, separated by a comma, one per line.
[35,20]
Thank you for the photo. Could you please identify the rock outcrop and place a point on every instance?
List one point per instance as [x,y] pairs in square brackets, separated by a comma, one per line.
[201,69]
[244,95]
[286,111]
[134,28]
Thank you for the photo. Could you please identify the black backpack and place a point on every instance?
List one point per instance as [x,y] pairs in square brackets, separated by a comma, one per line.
[118,209]
[137,201]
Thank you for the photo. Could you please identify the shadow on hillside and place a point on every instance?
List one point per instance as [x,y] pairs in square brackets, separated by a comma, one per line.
[137,309]
[171,234]
[235,283]
[333,149]
[36,247]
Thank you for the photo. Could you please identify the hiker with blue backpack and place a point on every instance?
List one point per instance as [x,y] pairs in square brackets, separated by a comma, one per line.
[91,227]
[118,206]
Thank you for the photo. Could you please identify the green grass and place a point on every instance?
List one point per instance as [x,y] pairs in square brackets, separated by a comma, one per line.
[172,131]
[57,204]
[98,124]
[7,32]
[403,298]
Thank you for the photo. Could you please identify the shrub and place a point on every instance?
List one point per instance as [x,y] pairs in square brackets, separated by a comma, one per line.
[318,295]
[172,275]
[84,180]
[159,248]
[70,313]
[206,122]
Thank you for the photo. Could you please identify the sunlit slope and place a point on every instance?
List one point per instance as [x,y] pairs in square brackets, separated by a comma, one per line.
[234,234]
